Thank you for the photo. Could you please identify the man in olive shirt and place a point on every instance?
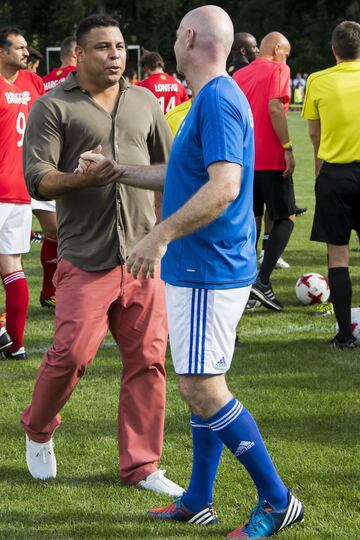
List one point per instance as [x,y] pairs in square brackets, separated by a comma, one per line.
[98,224]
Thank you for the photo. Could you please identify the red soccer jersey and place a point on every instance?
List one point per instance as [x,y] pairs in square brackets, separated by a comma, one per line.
[31,85]
[168,91]
[261,81]
[13,116]
[56,76]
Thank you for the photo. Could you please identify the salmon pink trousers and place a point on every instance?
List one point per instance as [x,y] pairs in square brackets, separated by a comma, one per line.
[88,304]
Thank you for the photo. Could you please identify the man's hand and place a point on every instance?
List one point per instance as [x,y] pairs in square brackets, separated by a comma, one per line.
[147,254]
[96,169]
[290,163]
[92,155]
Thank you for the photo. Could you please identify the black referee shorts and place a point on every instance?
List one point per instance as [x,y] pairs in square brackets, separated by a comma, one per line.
[337,209]
[275,192]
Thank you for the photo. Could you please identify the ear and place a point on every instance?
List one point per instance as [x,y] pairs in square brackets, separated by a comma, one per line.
[79,52]
[190,38]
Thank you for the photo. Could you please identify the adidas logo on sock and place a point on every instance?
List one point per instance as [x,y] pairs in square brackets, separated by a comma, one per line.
[243,447]
[221,363]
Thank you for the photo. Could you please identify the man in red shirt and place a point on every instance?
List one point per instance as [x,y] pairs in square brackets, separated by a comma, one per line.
[45,211]
[15,210]
[266,84]
[168,91]
[68,64]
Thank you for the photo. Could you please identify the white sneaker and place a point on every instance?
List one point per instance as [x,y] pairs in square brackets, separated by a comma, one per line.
[157,482]
[40,459]
[282,264]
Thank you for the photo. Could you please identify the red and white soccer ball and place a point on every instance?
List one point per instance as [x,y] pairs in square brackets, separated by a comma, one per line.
[355,324]
[312,288]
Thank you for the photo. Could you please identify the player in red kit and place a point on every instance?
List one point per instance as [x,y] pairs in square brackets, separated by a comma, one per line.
[45,211]
[168,91]
[68,64]
[15,210]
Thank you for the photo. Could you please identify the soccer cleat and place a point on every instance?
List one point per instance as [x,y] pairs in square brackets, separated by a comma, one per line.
[300,211]
[265,294]
[323,310]
[158,482]
[48,302]
[40,459]
[178,512]
[251,304]
[238,343]
[20,354]
[281,263]
[339,344]
[265,521]
[36,237]
[5,339]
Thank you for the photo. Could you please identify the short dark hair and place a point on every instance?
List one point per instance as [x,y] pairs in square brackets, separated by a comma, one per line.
[151,60]
[5,33]
[346,40]
[34,55]
[67,46]
[93,21]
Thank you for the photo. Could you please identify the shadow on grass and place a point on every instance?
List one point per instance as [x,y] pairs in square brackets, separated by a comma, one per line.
[82,524]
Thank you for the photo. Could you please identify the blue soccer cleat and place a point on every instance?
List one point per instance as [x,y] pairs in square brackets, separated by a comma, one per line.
[265,521]
[178,512]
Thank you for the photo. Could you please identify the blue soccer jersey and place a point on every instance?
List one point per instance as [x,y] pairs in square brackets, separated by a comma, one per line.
[222,254]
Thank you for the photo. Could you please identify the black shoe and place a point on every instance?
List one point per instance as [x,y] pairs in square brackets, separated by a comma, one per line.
[49,302]
[238,344]
[300,211]
[36,237]
[18,355]
[5,339]
[266,295]
[339,344]
[251,304]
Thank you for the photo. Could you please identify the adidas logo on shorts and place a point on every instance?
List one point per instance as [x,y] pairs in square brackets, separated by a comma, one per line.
[221,363]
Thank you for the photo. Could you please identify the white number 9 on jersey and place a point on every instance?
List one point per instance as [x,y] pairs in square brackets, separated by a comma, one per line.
[20,127]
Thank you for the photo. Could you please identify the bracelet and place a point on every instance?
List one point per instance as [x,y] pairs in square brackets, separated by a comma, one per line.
[289,149]
[287,145]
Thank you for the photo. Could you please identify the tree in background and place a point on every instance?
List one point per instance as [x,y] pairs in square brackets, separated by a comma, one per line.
[152,23]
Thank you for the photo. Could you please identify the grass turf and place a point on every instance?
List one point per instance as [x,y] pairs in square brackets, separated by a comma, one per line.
[304,395]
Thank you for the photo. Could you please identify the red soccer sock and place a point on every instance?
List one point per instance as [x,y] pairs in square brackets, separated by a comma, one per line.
[17,301]
[48,258]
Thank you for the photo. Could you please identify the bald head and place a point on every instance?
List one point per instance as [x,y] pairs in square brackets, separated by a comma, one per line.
[244,47]
[275,46]
[212,28]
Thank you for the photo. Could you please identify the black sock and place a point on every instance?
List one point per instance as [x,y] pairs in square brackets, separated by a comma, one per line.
[265,240]
[276,244]
[341,294]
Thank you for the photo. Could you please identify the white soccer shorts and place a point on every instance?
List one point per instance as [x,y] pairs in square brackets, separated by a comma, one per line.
[15,228]
[202,327]
[48,206]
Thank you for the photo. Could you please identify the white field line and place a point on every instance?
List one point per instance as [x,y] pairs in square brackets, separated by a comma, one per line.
[291,329]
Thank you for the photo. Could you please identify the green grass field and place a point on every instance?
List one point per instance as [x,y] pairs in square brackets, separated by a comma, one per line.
[304,395]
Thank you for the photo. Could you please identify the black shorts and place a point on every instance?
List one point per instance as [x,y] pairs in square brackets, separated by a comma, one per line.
[275,192]
[337,209]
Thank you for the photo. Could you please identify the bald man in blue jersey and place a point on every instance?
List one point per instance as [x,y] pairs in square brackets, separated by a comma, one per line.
[207,245]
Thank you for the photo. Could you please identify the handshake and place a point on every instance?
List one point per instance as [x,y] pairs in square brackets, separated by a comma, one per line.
[98,170]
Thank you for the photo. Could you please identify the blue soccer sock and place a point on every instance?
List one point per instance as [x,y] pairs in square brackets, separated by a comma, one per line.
[235,426]
[207,450]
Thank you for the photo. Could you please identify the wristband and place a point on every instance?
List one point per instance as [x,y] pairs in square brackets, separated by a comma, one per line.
[287,146]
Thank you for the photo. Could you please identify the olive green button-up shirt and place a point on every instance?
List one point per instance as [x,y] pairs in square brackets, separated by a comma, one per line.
[97,225]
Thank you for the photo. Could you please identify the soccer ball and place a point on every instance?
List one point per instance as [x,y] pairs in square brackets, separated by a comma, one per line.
[355,324]
[312,288]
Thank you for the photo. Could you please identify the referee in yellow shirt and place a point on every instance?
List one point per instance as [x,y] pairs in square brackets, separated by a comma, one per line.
[332,108]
